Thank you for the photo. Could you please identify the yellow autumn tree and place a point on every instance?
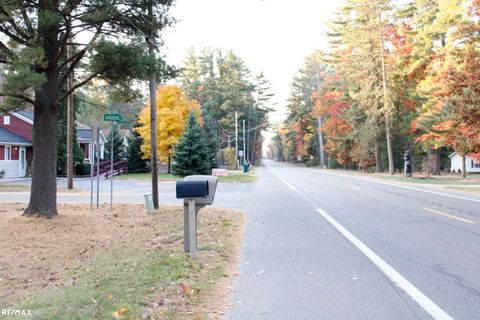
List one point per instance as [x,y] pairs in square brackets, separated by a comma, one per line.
[173,108]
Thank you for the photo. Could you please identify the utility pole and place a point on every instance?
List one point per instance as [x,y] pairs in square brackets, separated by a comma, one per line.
[153,108]
[70,125]
[244,146]
[247,138]
[320,143]
[236,140]
[252,157]
[386,101]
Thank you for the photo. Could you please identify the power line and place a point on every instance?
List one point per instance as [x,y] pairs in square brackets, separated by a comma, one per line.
[96,105]
[126,19]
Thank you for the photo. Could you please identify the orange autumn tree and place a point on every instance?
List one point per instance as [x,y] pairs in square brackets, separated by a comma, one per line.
[336,128]
[173,109]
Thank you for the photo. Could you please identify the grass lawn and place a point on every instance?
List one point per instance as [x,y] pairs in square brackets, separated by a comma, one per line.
[235,176]
[465,189]
[420,178]
[117,265]
[15,187]
[443,180]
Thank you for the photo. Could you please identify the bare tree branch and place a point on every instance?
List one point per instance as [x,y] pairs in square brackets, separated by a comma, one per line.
[78,85]
[14,26]
[9,53]
[78,56]
[28,22]
[12,36]
[18,96]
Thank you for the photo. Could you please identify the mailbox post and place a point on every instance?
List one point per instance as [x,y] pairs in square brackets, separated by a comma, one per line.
[196,191]
[407,166]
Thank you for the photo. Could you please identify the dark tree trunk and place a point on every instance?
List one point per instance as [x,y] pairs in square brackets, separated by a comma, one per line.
[169,162]
[43,195]
[378,158]
[437,154]
[464,166]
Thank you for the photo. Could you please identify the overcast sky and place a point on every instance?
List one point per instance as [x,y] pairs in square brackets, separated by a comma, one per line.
[270,35]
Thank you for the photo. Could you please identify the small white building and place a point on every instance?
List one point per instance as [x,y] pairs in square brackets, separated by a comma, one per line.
[472,165]
[84,139]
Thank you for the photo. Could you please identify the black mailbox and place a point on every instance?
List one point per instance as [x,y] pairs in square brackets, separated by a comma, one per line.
[192,189]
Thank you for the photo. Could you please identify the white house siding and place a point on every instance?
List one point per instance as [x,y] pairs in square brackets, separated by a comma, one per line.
[455,163]
[11,168]
[472,166]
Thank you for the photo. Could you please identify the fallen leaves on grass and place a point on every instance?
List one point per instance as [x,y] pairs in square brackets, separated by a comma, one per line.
[185,290]
[120,313]
[55,254]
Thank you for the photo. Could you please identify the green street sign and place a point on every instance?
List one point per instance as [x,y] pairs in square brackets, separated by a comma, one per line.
[112,117]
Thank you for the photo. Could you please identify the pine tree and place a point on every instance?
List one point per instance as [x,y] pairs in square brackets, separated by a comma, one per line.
[31,51]
[134,152]
[212,142]
[118,147]
[191,155]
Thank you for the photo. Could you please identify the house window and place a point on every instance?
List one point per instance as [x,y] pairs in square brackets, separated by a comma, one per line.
[8,153]
[6,120]
[475,164]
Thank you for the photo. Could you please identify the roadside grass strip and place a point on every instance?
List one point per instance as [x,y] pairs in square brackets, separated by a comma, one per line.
[403,187]
[123,264]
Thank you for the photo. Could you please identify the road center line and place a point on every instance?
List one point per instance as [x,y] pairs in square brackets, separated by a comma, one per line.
[449,215]
[353,187]
[428,305]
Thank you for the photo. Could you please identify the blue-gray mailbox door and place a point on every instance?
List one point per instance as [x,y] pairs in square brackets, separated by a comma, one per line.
[192,189]
[212,188]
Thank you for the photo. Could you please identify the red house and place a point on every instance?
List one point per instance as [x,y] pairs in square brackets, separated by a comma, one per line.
[16,143]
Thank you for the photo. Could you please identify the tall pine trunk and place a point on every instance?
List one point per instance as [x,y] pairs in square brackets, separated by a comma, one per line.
[378,158]
[391,165]
[43,194]
[169,165]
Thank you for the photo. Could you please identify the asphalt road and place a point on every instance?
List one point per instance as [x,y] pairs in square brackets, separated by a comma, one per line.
[230,195]
[326,246]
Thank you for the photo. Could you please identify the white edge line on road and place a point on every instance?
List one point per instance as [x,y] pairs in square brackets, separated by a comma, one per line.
[404,187]
[428,305]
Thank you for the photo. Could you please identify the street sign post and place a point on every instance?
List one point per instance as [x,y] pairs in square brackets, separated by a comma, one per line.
[112,117]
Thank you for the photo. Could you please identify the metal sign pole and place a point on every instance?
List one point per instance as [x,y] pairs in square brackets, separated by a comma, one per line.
[92,166]
[111,169]
[98,166]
